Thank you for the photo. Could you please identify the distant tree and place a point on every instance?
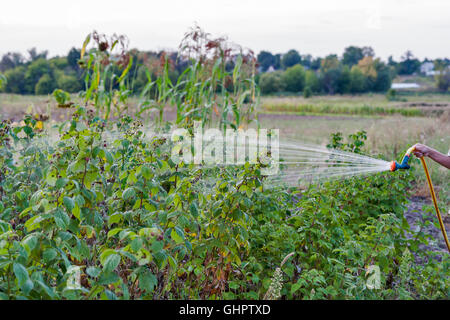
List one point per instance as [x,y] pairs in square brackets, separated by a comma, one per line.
[291,58]
[392,62]
[45,85]
[3,81]
[330,62]
[271,82]
[16,80]
[367,66]
[358,81]
[11,60]
[352,55]
[277,61]
[316,63]
[384,77]
[330,72]
[368,52]
[265,60]
[59,63]
[343,83]
[329,80]
[34,72]
[312,81]
[409,64]
[34,55]
[69,83]
[294,78]
[307,60]
[440,64]
[443,80]
[72,58]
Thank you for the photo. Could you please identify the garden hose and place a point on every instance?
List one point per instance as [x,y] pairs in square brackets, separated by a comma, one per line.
[433,196]
[404,165]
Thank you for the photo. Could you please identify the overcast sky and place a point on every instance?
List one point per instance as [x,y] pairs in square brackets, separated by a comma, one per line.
[317,27]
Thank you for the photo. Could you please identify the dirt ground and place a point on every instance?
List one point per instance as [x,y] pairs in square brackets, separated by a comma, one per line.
[415,214]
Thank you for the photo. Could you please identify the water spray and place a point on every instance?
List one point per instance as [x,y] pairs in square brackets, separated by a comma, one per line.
[404,165]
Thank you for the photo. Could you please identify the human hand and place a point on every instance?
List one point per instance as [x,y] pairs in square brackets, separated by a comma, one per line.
[421,150]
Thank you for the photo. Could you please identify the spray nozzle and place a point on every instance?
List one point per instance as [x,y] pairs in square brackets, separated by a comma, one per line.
[404,164]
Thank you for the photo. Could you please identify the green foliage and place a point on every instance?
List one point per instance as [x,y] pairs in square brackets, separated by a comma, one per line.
[290,59]
[271,82]
[294,78]
[35,72]
[16,80]
[266,60]
[62,97]
[443,80]
[140,227]
[3,80]
[352,55]
[69,83]
[391,95]
[312,81]
[358,81]
[408,65]
[45,85]
[307,93]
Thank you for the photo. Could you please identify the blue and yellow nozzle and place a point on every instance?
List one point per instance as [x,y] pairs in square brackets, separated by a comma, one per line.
[404,164]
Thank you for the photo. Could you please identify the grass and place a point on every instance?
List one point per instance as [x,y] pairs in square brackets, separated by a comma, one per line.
[368,104]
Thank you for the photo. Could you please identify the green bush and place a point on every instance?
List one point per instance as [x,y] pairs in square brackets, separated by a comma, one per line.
[271,82]
[69,83]
[3,81]
[45,85]
[294,78]
[307,93]
[312,81]
[16,80]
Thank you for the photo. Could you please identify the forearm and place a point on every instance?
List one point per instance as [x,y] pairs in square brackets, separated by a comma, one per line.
[440,158]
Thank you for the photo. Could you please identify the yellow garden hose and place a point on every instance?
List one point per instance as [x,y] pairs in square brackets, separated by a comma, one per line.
[404,165]
[433,196]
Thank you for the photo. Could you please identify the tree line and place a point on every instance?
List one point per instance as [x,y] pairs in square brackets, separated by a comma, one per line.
[356,71]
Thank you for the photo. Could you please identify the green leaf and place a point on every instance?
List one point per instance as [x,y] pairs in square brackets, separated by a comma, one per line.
[69,203]
[157,246]
[93,271]
[108,156]
[136,244]
[62,220]
[105,254]
[194,209]
[128,194]
[49,255]
[175,235]
[147,281]
[111,263]
[115,218]
[33,223]
[21,274]
[146,172]
[61,183]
